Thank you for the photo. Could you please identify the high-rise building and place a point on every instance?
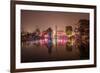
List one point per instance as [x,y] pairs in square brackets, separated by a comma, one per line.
[68,30]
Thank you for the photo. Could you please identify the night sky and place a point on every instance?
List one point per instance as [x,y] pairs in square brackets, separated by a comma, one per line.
[30,20]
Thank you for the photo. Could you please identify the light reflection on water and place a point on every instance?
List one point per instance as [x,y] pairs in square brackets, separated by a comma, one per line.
[54,49]
[48,50]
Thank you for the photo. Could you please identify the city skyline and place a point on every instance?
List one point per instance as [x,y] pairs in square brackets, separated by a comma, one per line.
[65,39]
[30,20]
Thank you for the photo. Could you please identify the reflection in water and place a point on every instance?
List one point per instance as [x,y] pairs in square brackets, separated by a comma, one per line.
[55,45]
[49,43]
[68,46]
[49,46]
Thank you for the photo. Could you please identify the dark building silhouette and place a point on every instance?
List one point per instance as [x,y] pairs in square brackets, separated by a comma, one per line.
[49,44]
[84,32]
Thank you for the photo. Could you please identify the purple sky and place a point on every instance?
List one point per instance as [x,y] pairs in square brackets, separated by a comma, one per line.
[30,20]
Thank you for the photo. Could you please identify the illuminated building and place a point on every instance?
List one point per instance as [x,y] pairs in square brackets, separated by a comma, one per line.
[68,30]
